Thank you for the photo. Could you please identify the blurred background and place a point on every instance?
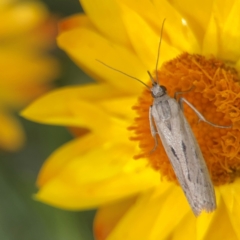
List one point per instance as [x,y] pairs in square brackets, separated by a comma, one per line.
[21,217]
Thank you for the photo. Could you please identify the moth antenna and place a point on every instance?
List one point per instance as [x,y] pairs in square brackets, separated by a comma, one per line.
[152,79]
[124,73]
[159,46]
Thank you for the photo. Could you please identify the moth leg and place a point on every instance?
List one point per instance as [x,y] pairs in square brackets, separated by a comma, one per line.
[201,117]
[153,130]
[178,93]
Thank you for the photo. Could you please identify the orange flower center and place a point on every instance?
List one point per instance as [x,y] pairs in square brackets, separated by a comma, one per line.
[216,95]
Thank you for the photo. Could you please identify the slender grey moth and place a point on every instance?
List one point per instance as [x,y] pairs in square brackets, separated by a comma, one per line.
[167,120]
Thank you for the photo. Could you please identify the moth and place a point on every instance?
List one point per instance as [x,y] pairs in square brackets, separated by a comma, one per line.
[166,119]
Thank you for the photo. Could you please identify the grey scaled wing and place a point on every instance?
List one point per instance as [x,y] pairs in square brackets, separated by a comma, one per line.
[184,154]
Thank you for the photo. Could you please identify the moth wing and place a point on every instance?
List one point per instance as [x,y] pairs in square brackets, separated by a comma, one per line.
[185,155]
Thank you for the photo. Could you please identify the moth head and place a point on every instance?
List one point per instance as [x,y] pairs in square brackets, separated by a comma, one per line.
[158,90]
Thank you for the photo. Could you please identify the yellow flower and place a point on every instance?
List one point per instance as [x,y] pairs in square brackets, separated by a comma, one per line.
[97,168]
[26,33]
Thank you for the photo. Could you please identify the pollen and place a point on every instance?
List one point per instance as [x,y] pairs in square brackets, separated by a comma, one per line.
[213,88]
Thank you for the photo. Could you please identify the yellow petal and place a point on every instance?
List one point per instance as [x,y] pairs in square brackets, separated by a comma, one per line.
[154,215]
[230,35]
[230,195]
[67,115]
[187,227]
[211,42]
[11,133]
[216,225]
[108,216]
[196,13]
[180,34]
[221,10]
[60,194]
[65,107]
[61,157]
[85,46]
[106,17]
[146,41]
[90,154]
[140,7]
[91,165]
[120,108]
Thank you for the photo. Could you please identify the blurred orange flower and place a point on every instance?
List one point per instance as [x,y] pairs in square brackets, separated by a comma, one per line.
[27,31]
[97,169]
